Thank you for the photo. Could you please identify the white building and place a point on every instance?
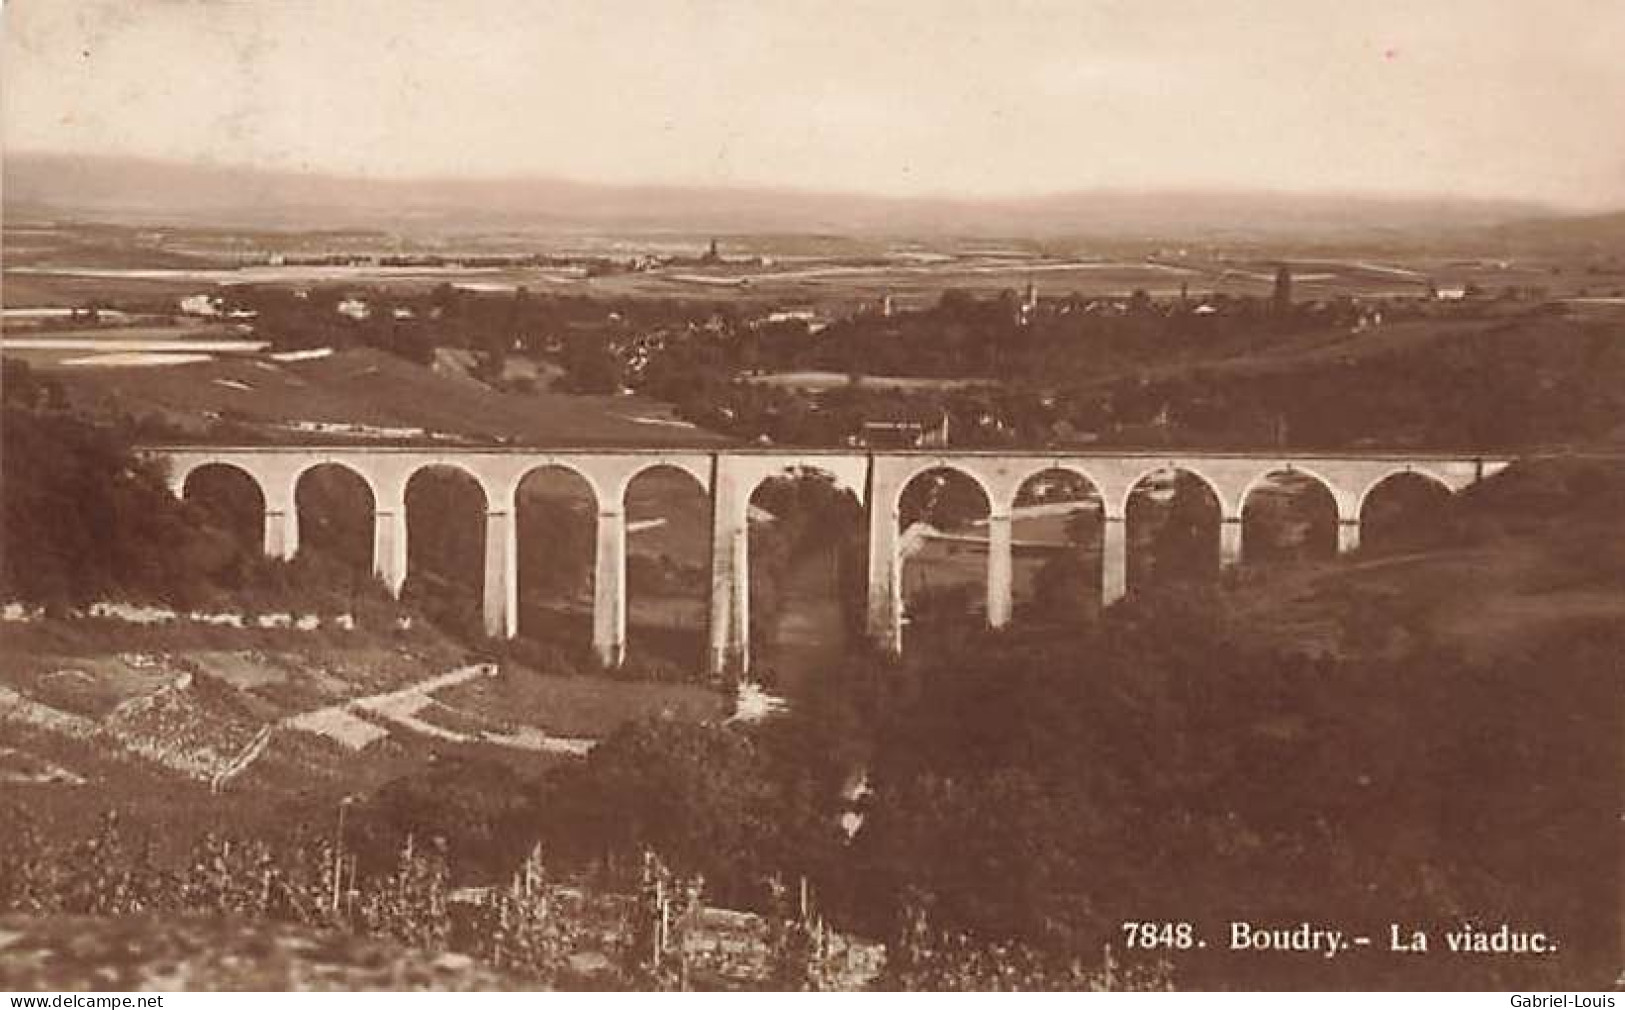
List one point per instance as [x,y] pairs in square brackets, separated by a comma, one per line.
[201,305]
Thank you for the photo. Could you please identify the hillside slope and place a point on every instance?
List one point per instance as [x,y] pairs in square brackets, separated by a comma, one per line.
[183,729]
[359,394]
[1533,552]
[163,953]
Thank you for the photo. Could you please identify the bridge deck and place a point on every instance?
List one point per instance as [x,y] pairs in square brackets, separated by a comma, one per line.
[1011,452]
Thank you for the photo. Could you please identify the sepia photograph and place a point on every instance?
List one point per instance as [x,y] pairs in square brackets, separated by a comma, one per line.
[812,495]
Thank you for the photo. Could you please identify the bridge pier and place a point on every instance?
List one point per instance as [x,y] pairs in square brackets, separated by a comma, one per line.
[1000,569]
[1113,559]
[883,605]
[609,589]
[730,573]
[389,532]
[281,533]
[389,546]
[281,517]
[1230,542]
[501,596]
[1348,535]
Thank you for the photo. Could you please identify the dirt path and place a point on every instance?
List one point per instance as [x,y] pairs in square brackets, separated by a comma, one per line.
[344,724]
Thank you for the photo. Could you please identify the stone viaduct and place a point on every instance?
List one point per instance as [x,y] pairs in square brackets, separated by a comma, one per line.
[729,476]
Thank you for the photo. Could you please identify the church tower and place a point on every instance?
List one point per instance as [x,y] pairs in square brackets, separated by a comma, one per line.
[1283,289]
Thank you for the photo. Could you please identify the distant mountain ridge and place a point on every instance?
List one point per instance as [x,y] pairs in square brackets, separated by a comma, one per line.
[144,191]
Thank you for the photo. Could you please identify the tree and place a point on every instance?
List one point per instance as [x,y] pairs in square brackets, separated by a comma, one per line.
[1184,546]
[696,794]
[590,366]
[85,518]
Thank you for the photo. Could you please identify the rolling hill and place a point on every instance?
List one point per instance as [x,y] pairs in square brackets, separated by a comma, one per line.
[1531,553]
[370,391]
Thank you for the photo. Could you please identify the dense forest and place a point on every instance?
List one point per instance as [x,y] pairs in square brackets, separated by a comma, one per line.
[87,519]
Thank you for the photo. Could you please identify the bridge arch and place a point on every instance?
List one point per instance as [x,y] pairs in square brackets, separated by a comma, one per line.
[555,522]
[667,515]
[350,467]
[1175,519]
[806,551]
[947,465]
[946,526]
[1058,514]
[1402,508]
[235,496]
[341,529]
[1173,467]
[1301,508]
[1339,494]
[582,473]
[617,496]
[1407,470]
[1025,476]
[180,477]
[446,508]
[452,466]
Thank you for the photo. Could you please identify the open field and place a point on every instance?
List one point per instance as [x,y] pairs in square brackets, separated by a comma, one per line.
[21,290]
[68,264]
[127,346]
[186,330]
[813,381]
[831,286]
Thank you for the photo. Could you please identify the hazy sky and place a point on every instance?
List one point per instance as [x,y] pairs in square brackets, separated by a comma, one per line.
[1466,97]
